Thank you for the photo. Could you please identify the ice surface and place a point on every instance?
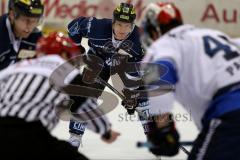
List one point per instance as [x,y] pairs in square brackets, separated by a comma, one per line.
[131,132]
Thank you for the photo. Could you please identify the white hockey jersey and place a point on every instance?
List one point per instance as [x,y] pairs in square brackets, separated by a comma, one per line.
[206,60]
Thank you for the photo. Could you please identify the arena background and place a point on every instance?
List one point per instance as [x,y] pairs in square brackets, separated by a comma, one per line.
[218,14]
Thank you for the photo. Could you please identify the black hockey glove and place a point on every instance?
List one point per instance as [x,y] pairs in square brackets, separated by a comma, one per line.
[107,135]
[82,49]
[93,67]
[130,105]
[165,140]
[131,101]
[110,136]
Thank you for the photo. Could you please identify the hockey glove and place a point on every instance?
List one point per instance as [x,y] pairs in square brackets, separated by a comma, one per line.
[131,101]
[82,49]
[92,69]
[130,105]
[165,140]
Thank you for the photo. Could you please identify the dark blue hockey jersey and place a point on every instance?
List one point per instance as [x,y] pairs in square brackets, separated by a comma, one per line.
[10,46]
[100,38]
[101,43]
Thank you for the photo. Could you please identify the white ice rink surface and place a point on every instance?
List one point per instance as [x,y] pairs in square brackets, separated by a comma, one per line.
[131,132]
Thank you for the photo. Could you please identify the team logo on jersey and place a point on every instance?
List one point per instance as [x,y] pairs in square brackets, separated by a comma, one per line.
[74,29]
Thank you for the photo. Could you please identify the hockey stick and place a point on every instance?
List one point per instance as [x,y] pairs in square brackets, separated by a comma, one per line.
[150,145]
[101,81]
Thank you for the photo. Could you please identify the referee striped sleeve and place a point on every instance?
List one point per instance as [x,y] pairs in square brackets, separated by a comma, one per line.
[7,88]
[25,96]
[11,99]
[29,96]
[35,97]
[98,121]
[101,119]
[43,94]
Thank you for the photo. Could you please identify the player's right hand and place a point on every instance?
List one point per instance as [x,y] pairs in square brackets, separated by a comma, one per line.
[130,105]
[131,101]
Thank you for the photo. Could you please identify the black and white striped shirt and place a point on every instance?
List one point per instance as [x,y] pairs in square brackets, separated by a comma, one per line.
[26,93]
[29,96]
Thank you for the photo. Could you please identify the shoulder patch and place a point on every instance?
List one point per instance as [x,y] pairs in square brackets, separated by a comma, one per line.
[73,30]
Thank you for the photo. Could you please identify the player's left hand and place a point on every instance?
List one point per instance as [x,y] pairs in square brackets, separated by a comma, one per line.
[110,136]
[92,69]
[165,140]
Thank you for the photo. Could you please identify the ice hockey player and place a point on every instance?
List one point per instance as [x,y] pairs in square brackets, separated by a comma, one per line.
[18,30]
[204,66]
[106,39]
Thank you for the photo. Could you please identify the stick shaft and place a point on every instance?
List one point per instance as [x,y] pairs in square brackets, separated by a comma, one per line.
[101,81]
[150,145]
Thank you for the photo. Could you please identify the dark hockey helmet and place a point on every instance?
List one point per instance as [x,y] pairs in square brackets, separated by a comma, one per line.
[10,4]
[57,43]
[158,18]
[29,8]
[125,12]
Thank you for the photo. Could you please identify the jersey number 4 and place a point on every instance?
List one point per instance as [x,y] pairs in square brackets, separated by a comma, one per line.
[219,46]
